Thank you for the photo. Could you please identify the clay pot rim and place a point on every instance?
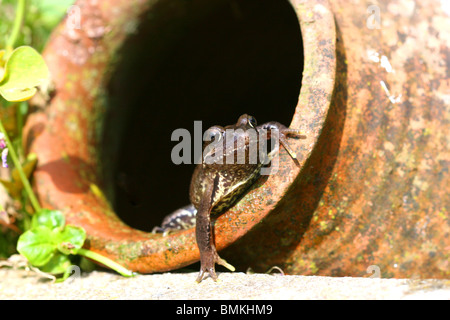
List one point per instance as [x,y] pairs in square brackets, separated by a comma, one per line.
[147,252]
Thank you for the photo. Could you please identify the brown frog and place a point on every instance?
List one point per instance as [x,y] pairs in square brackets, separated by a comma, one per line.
[228,169]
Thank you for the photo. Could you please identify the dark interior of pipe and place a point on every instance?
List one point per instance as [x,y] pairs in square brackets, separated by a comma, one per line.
[242,57]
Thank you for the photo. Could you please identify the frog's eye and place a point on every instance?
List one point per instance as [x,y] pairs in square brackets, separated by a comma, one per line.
[212,134]
[252,121]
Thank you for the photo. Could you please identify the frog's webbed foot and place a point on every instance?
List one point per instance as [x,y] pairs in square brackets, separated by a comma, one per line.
[208,260]
[283,133]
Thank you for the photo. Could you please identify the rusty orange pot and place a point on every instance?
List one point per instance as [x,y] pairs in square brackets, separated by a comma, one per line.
[371,186]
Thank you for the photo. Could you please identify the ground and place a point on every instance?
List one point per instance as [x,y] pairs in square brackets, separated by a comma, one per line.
[21,284]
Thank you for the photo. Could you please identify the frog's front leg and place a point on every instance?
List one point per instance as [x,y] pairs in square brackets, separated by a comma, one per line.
[283,133]
[203,233]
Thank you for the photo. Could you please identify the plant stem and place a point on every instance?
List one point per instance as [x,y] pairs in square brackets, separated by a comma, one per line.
[105,261]
[20,13]
[18,166]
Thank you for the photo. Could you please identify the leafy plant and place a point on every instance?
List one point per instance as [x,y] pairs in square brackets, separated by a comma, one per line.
[24,70]
[49,242]
[41,18]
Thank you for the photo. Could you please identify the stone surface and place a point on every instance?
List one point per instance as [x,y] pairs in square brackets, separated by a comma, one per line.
[21,284]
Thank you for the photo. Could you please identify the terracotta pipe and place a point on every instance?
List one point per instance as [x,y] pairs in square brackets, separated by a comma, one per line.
[372,182]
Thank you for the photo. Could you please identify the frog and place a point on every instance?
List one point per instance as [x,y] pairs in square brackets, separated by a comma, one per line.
[218,183]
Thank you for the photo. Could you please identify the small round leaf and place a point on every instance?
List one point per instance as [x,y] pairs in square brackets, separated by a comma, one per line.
[48,218]
[37,245]
[24,71]
[58,264]
[71,239]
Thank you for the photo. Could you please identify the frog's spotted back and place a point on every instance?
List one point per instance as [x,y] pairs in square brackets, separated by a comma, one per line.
[231,179]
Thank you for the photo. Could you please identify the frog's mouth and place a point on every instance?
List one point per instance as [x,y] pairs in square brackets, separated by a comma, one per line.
[239,57]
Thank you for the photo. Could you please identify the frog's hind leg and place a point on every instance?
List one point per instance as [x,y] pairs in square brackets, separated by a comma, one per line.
[203,233]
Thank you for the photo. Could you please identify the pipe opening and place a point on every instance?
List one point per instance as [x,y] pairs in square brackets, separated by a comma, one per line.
[240,57]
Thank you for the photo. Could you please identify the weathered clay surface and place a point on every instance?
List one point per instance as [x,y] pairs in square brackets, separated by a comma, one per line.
[66,171]
[375,190]
[372,183]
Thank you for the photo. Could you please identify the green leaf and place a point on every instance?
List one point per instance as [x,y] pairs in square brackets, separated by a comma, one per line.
[51,11]
[71,239]
[58,264]
[37,245]
[2,69]
[49,218]
[24,71]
